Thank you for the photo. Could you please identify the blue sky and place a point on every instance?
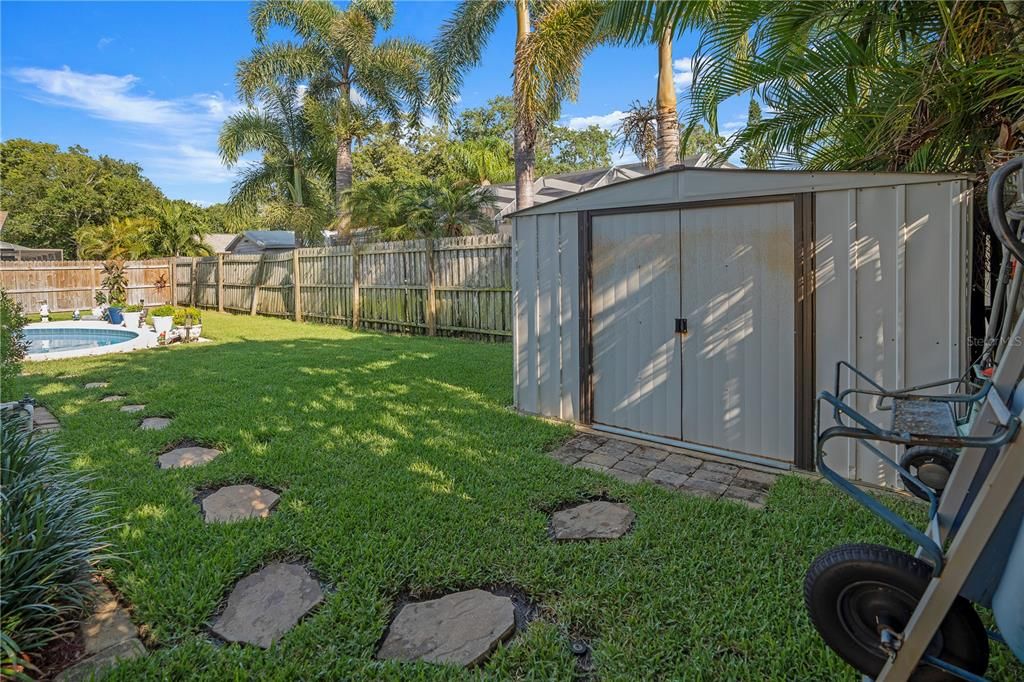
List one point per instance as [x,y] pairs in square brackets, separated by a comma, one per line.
[151,82]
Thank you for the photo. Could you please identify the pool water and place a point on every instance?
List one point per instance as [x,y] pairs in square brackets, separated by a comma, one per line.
[57,340]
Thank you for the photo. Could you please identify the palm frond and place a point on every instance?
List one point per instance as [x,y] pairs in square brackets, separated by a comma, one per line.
[459,47]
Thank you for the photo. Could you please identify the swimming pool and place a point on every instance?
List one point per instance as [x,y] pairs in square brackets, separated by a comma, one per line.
[65,339]
[54,340]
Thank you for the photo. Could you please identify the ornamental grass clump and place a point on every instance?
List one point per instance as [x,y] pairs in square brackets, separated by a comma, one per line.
[52,528]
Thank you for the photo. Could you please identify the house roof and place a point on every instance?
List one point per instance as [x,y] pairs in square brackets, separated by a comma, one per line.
[265,239]
[219,241]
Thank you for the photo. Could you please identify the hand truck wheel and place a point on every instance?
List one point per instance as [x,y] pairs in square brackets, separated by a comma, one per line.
[860,598]
[931,465]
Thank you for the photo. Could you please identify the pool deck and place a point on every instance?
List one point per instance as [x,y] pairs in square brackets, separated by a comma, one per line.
[146,338]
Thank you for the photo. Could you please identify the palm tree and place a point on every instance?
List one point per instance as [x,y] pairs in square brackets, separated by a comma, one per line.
[901,85]
[444,209]
[484,160]
[549,52]
[120,239]
[376,203]
[350,74]
[289,179]
[175,234]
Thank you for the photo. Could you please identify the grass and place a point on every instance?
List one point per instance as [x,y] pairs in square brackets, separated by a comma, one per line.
[404,470]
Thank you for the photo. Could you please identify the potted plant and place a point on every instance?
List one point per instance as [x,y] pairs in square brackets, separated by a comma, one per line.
[191,319]
[132,316]
[116,284]
[163,319]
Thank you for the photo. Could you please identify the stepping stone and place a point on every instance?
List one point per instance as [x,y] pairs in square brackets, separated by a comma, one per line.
[108,625]
[97,384]
[112,398]
[92,668]
[132,408]
[460,629]
[265,605]
[154,423]
[593,520]
[239,502]
[43,419]
[187,457]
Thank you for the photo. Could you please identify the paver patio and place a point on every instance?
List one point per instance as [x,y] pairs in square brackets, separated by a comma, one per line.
[693,475]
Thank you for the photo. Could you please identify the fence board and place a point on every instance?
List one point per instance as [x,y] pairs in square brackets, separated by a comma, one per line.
[67,285]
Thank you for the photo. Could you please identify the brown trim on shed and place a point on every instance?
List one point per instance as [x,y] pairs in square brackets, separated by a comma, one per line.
[805,342]
[803,286]
[585,261]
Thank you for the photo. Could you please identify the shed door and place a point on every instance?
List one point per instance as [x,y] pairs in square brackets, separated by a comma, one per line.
[739,300]
[728,383]
[634,302]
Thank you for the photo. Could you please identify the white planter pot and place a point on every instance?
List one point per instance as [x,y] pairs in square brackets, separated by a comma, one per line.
[131,320]
[97,312]
[163,324]
[197,329]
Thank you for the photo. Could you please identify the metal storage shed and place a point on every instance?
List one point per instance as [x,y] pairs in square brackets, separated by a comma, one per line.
[707,307]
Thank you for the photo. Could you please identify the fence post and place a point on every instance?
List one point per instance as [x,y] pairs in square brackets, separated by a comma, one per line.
[256,286]
[94,273]
[355,286]
[193,282]
[431,300]
[296,285]
[220,282]
[172,266]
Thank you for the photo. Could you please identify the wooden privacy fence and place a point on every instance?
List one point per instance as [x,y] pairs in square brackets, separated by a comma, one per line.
[67,285]
[451,286]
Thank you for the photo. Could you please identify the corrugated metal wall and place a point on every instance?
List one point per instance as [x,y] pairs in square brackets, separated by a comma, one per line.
[892,264]
[891,298]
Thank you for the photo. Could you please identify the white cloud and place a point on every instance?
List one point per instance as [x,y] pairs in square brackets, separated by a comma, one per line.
[103,42]
[179,135]
[605,121]
[682,73]
[732,126]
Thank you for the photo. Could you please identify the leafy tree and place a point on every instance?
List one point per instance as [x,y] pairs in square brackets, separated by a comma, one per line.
[52,194]
[755,155]
[579,149]
[345,65]
[698,140]
[638,132]
[13,345]
[496,119]
[230,218]
[549,51]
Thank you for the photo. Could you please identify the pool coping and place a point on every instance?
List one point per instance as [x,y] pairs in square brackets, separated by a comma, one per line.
[144,338]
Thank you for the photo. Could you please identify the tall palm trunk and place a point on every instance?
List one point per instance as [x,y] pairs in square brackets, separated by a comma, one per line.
[668,121]
[525,133]
[343,162]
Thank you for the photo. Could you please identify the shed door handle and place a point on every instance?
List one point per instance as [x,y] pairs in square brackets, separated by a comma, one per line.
[681,327]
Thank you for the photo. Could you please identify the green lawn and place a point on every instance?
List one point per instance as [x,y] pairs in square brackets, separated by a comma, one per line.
[403,469]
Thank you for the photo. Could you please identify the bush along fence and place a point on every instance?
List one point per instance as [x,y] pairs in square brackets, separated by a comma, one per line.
[453,286]
[67,285]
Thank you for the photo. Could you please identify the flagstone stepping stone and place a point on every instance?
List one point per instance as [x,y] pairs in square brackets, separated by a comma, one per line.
[108,625]
[154,423]
[460,629]
[592,521]
[265,605]
[112,398]
[97,384]
[43,419]
[132,408]
[187,457]
[239,502]
[92,667]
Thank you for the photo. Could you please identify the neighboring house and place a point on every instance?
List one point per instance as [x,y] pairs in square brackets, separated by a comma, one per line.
[219,241]
[551,187]
[259,241]
[10,251]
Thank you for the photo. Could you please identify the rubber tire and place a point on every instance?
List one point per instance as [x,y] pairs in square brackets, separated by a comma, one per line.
[964,641]
[926,454]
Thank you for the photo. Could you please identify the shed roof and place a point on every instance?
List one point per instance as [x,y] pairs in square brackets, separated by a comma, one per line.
[680,184]
[219,241]
[268,239]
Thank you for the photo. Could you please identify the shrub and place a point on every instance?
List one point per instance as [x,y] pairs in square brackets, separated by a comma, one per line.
[12,341]
[52,537]
[133,308]
[162,311]
[115,282]
[181,313]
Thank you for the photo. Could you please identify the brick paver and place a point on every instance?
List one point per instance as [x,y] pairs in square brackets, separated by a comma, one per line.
[686,474]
